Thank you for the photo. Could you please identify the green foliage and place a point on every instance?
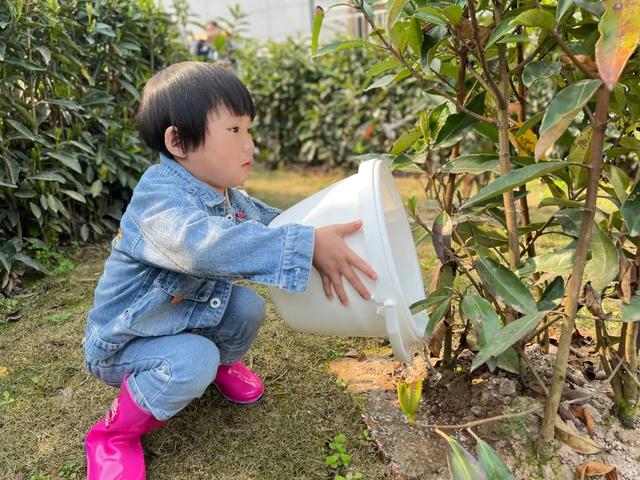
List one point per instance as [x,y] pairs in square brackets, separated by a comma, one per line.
[71,75]
[314,111]
[338,460]
[464,466]
[409,395]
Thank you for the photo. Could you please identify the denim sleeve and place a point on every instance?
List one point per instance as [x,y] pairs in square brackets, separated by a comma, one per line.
[181,235]
[267,212]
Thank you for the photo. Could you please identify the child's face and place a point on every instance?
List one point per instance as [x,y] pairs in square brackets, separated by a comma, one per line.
[226,157]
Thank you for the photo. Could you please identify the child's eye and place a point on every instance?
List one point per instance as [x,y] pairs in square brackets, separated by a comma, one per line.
[235,129]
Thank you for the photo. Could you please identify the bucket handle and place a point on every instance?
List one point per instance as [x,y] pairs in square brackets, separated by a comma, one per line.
[390,312]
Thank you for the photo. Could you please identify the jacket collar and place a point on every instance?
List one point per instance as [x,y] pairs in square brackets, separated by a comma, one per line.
[210,195]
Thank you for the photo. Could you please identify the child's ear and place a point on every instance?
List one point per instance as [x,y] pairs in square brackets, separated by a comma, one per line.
[172,142]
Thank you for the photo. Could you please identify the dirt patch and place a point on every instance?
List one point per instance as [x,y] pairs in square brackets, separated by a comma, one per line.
[414,452]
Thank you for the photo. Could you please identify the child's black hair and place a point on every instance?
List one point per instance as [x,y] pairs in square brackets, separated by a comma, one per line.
[182,95]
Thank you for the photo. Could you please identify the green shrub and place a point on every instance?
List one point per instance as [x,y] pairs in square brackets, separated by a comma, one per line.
[314,111]
[71,74]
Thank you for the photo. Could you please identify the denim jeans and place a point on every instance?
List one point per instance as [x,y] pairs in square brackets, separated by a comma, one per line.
[169,371]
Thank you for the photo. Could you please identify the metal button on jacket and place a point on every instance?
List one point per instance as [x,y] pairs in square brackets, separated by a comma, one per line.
[215,302]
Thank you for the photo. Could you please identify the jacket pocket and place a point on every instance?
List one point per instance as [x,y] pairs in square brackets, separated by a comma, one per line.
[167,307]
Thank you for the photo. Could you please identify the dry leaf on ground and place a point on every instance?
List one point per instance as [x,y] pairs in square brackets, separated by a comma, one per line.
[595,469]
[573,438]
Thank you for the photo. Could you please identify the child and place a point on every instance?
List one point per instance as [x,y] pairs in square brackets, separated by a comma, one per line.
[167,320]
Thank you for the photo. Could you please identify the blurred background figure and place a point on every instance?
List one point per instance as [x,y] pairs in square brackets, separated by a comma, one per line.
[204,45]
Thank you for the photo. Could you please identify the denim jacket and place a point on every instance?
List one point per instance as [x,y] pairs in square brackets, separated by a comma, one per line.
[178,249]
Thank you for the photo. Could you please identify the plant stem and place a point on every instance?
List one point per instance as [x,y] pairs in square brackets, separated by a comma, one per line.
[575,283]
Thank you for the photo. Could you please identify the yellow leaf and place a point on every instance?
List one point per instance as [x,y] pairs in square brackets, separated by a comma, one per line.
[4,372]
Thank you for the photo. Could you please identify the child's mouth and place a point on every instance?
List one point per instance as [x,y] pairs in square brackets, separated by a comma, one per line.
[248,165]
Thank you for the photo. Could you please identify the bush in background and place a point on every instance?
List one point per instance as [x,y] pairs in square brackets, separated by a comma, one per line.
[70,156]
[316,111]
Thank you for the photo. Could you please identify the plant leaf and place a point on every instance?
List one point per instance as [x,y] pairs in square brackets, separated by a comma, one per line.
[631,311]
[604,264]
[317,25]
[474,163]
[619,34]
[630,211]
[457,125]
[552,294]
[573,438]
[491,462]
[538,70]
[462,465]
[562,109]
[508,336]
[514,179]
[536,18]
[505,285]
[563,6]
[394,9]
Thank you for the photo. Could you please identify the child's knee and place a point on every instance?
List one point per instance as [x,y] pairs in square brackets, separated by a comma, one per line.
[199,360]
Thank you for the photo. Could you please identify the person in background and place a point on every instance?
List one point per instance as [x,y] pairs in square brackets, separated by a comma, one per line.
[204,46]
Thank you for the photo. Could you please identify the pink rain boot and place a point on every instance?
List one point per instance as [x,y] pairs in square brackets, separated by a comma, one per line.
[238,384]
[113,447]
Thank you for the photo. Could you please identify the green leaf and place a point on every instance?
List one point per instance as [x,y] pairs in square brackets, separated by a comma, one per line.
[538,70]
[474,164]
[536,18]
[48,177]
[630,211]
[559,262]
[317,25]
[508,336]
[620,181]
[96,188]
[409,397]
[394,10]
[30,262]
[130,88]
[563,6]
[619,35]
[24,131]
[432,15]
[505,285]
[514,179]
[66,103]
[383,66]
[580,153]
[570,219]
[45,52]
[604,264]
[484,319]
[462,465]
[75,195]
[552,294]
[405,141]
[562,110]
[491,462]
[68,160]
[457,125]
[529,124]
[504,27]
[381,82]
[631,312]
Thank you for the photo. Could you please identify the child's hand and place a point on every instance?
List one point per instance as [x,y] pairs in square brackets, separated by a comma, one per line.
[334,259]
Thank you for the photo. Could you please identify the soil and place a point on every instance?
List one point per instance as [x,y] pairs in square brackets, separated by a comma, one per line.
[452,397]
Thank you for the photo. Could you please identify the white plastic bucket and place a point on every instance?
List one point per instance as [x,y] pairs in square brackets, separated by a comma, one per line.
[385,242]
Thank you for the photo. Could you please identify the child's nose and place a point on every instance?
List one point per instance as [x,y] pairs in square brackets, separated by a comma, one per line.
[248,145]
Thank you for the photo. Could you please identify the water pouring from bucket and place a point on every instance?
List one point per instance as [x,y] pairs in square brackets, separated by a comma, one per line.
[384,241]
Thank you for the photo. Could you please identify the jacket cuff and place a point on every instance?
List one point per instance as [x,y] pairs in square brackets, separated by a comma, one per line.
[298,258]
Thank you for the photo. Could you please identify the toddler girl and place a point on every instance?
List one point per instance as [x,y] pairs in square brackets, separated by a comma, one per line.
[167,319]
